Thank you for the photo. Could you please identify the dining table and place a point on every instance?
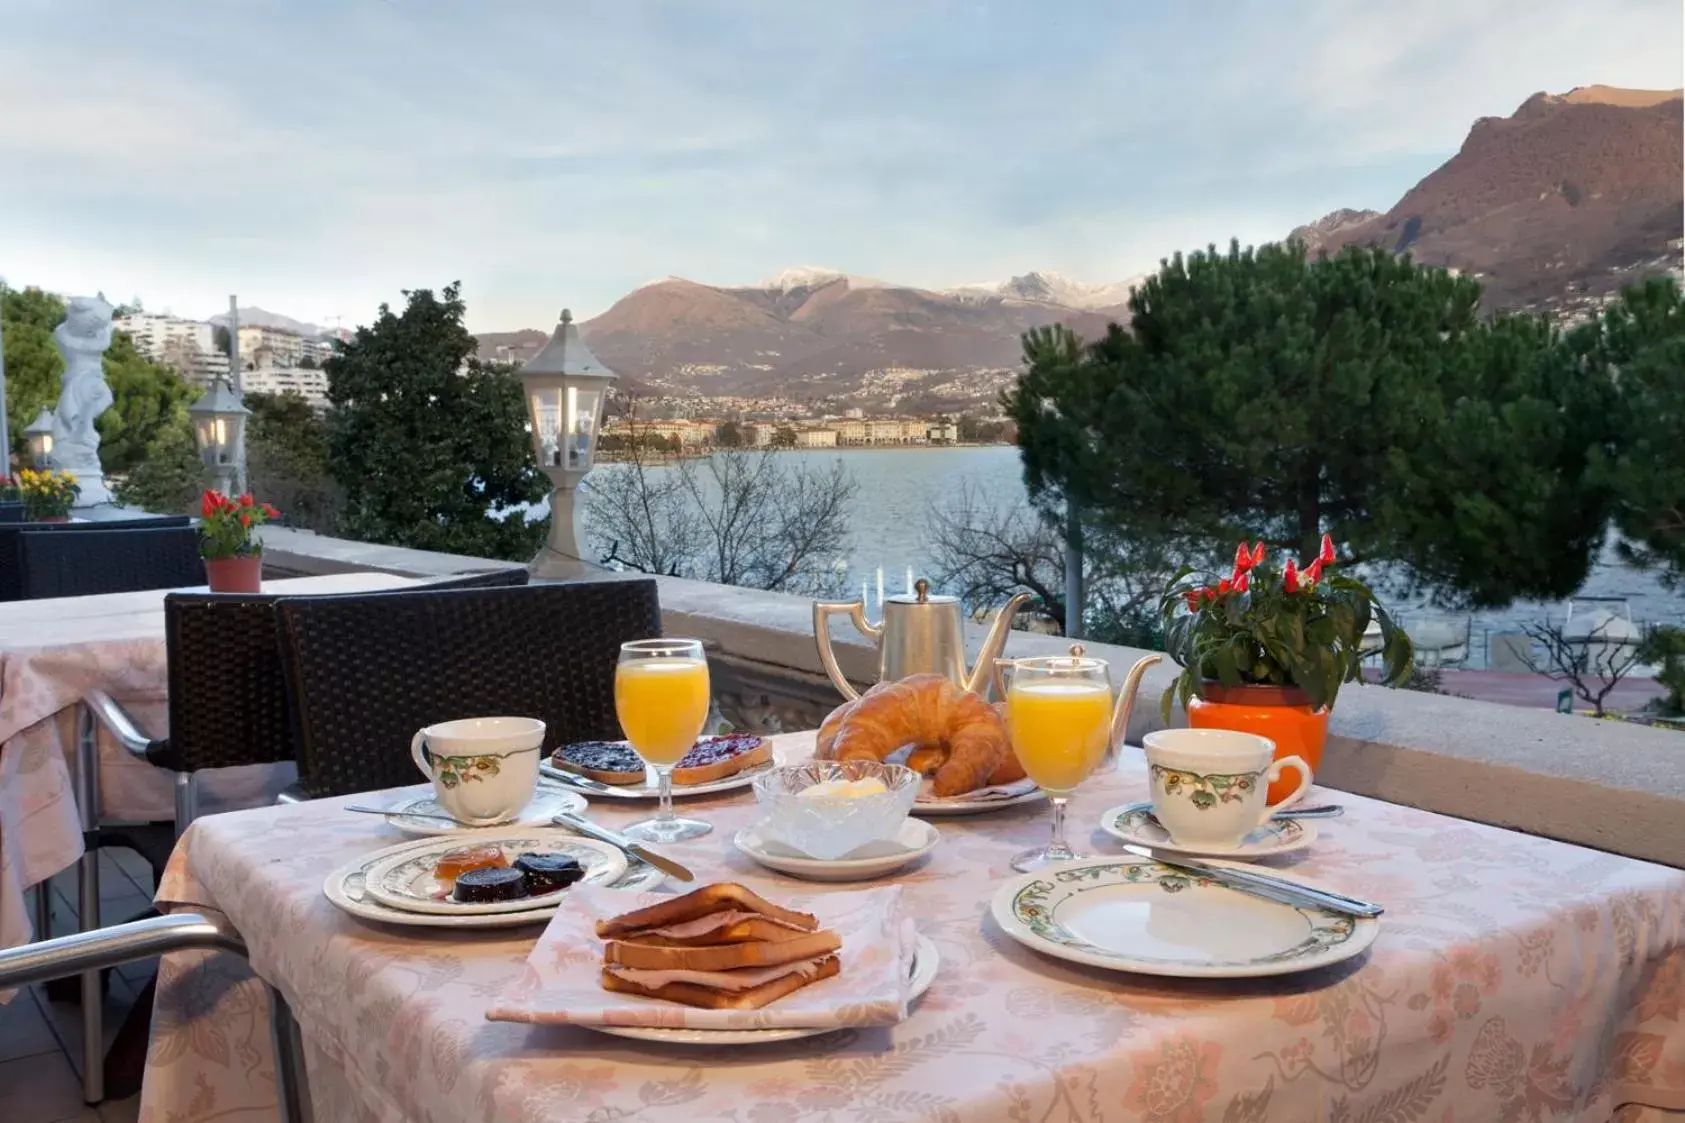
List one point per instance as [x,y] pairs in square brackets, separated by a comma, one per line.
[1513,978]
[53,651]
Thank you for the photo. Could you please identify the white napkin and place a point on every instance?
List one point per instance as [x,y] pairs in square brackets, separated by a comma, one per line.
[979,795]
[562,981]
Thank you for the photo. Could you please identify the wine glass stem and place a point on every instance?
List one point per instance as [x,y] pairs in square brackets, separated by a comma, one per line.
[1057,847]
[664,778]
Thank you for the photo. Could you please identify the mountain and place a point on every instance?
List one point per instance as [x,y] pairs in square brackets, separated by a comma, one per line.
[821,335]
[1567,199]
[261,318]
[1051,288]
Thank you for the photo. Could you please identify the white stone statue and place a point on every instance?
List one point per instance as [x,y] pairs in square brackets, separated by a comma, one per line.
[83,337]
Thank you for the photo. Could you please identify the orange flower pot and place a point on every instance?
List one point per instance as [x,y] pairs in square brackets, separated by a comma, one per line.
[1281,713]
[242,574]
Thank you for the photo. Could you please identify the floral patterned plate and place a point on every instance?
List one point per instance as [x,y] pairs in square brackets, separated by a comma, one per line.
[346,887]
[651,788]
[923,973]
[1135,822]
[403,878]
[1132,914]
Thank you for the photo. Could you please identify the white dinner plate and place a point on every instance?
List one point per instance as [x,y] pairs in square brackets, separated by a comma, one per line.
[925,963]
[345,887]
[1132,914]
[404,878]
[1136,823]
[650,789]
[549,800]
[959,806]
[914,840]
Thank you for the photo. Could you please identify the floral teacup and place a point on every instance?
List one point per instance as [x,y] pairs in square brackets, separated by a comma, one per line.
[484,769]
[1208,785]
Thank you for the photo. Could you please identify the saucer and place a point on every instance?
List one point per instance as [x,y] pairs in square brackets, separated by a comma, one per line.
[1135,822]
[548,801]
[915,839]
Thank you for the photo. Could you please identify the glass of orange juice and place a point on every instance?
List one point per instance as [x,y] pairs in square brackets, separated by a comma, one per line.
[661,695]
[1059,716]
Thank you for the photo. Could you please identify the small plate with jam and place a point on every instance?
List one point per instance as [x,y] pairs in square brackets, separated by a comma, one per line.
[503,872]
[714,764]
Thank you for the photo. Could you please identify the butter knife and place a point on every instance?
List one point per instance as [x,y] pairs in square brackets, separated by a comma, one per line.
[575,780]
[1262,885]
[634,849]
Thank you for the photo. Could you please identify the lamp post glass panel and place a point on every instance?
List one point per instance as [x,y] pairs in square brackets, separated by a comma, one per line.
[219,428]
[566,389]
[39,435]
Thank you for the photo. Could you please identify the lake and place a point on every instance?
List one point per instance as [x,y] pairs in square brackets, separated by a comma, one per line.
[898,485]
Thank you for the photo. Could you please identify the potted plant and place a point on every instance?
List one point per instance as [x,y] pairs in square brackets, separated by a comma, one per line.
[47,496]
[1265,651]
[10,494]
[228,541]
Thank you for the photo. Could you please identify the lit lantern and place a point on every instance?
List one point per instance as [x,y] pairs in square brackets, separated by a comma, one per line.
[566,389]
[39,435]
[219,428]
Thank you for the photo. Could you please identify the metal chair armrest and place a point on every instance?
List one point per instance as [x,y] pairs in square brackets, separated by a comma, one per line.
[108,713]
[111,947]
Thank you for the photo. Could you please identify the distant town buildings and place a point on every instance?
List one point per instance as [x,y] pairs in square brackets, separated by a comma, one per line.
[273,361]
[309,383]
[702,434]
[189,346]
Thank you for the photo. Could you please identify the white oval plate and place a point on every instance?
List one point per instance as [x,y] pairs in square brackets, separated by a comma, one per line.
[548,801]
[973,806]
[652,790]
[915,839]
[405,879]
[925,963]
[345,887]
[1131,914]
[1135,822]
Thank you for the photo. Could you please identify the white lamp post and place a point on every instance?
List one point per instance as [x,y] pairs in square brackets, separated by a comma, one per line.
[566,388]
[40,438]
[219,428]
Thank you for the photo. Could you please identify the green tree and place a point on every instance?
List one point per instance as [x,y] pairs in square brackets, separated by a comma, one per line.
[33,363]
[148,399]
[169,479]
[729,435]
[221,340]
[1259,394]
[287,460]
[428,443]
[783,437]
[1638,347]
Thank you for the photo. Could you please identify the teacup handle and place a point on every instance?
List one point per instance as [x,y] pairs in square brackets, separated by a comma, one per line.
[419,754]
[1298,793]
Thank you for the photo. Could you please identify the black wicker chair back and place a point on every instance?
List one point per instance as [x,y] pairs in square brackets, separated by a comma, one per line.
[11,555]
[365,672]
[11,513]
[108,561]
[483,579]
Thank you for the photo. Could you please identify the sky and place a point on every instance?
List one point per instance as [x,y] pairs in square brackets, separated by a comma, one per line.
[318,157]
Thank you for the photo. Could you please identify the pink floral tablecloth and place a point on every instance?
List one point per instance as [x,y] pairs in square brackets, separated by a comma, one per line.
[1514,979]
[52,652]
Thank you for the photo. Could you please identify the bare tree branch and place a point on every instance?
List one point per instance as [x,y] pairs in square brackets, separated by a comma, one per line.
[1592,665]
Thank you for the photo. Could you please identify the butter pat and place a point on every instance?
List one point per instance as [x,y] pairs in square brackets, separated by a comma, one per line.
[845,789]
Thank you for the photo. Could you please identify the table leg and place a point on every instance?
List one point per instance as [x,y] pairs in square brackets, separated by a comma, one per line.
[87,904]
[292,1087]
[44,910]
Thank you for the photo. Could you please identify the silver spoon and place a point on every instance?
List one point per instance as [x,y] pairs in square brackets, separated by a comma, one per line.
[1321,811]
[392,813]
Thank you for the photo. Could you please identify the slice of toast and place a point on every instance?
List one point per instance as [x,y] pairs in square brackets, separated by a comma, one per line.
[610,762]
[715,758]
[702,902]
[737,932]
[708,998]
[725,957]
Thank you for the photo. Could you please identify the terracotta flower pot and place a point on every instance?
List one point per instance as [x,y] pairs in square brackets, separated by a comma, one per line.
[1281,713]
[54,519]
[243,574]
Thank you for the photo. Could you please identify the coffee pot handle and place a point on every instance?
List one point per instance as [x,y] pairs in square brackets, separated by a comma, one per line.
[855,610]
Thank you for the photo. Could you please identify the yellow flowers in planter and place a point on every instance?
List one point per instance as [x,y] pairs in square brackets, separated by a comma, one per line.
[46,495]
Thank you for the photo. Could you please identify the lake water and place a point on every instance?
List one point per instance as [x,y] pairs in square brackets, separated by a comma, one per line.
[898,485]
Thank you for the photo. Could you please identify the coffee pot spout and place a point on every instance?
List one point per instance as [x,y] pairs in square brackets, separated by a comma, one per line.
[1125,704]
[983,671]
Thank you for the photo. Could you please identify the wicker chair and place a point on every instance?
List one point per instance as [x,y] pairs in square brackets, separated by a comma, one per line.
[11,559]
[108,561]
[11,513]
[364,673]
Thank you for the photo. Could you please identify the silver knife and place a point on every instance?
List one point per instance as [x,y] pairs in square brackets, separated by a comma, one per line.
[1262,885]
[635,849]
[575,780]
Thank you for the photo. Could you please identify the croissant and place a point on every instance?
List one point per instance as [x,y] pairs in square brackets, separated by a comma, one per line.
[957,737]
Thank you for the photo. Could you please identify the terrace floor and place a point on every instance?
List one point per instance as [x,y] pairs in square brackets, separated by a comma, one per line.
[41,1040]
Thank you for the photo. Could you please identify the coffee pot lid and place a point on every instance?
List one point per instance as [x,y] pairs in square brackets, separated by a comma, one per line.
[921,594]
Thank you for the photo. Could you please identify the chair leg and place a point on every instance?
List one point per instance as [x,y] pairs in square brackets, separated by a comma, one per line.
[87,904]
[292,1084]
[44,910]
[187,800]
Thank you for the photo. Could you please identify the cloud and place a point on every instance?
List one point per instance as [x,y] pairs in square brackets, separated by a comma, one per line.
[318,157]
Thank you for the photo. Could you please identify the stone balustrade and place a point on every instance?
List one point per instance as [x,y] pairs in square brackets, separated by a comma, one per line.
[1602,784]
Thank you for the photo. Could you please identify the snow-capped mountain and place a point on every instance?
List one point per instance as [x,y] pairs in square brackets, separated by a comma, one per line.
[813,276]
[1047,287]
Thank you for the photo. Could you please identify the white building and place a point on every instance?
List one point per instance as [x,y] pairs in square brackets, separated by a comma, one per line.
[941,432]
[816,438]
[262,347]
[311,385]
[189,346]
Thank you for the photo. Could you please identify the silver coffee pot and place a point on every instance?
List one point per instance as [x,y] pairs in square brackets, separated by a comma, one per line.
[921,633]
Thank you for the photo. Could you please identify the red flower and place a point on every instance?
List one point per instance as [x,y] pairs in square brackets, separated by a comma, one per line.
[245,519]
[1242,582]
[1242,559]
[1258,554]
[270,512]
[246,499]
[1192,597]
[1290,576]
[1312,573]
[1326,555]
[207,504]
[1225,585]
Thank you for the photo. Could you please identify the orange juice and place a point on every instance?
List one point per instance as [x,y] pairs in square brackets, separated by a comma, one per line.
[662,704]
[1059,728]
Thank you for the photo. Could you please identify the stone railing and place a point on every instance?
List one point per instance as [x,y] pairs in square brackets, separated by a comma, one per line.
[1601,784]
